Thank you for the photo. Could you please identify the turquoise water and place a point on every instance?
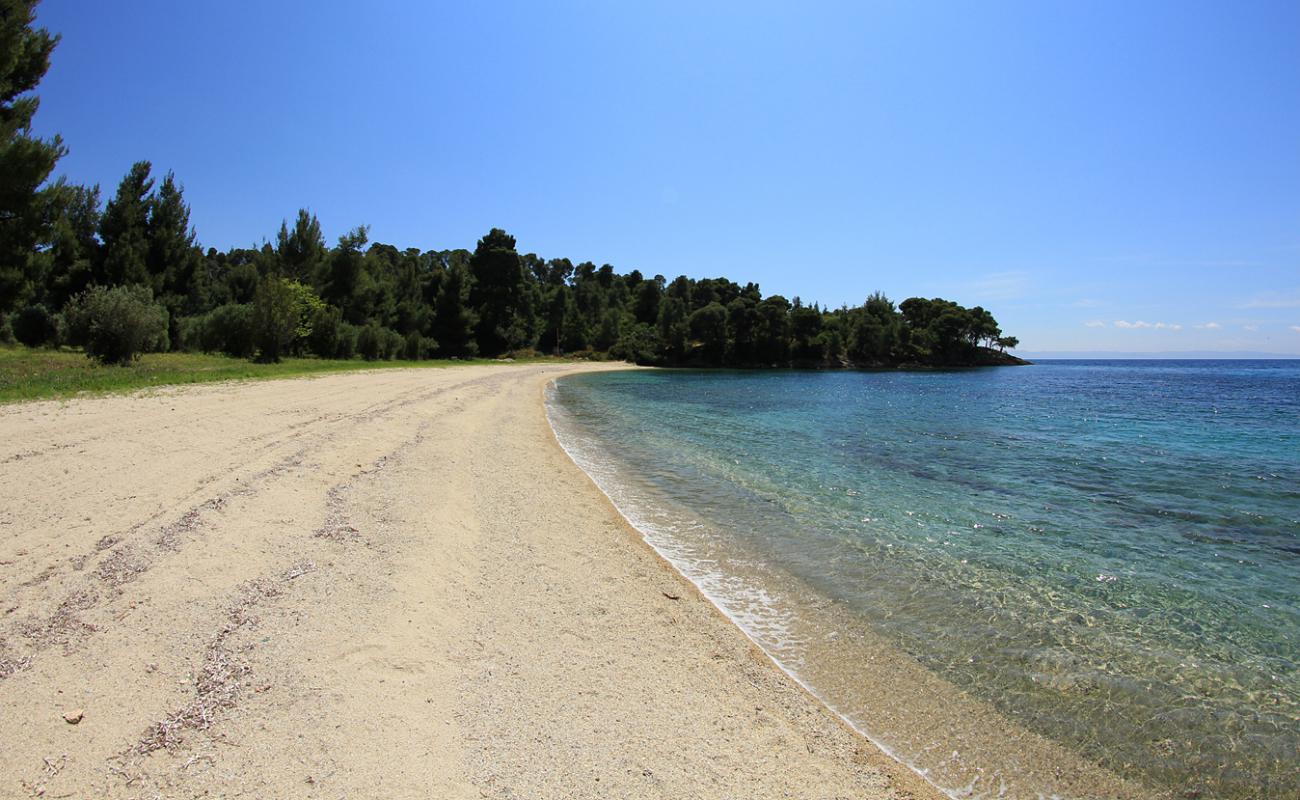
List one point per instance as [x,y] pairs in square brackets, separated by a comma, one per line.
[1106,553]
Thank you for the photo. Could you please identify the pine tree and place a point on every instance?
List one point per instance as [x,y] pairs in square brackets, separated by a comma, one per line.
[498,293]
[173,260]
[25,162]
[124,229]
[453,322]
[72,245]
[302,250]
[673,328]
[341,274]
[557,311]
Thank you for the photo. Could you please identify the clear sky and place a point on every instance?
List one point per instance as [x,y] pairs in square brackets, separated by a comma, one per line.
[1101,175]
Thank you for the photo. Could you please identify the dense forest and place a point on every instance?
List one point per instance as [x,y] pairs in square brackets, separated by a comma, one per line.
[128,276]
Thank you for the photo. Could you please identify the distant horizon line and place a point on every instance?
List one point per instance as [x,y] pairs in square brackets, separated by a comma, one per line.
[1183,355]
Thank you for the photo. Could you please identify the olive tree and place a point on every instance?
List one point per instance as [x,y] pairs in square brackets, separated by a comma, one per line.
[116,325]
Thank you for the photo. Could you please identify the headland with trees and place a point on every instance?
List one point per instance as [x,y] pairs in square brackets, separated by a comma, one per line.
[129,276]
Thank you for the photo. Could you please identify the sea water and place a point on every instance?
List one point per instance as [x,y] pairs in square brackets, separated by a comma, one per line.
[1102,554]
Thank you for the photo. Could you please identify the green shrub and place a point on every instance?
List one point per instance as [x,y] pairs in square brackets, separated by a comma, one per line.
[35,326]
[376,343]
[283,315]
[638,344]
[417,347]
[347,342]
[371,342]
[393,344]
[116,325]
[189,334]
[275,318]
[324,337]
[228,329]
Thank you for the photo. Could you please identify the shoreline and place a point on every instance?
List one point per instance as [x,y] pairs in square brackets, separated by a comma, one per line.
[930,701]
[897,767]
[392,582]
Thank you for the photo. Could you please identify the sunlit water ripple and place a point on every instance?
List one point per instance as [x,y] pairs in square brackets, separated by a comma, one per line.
[1108,553]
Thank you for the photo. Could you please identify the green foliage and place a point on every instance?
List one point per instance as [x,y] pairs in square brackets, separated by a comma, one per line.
[831,343]
[346,347]
[298,296]
[116,325]
[557,311]
[34,326]
[874,332]
[607,333]
[383,302]
[323,334]
[453,321]
[943,332]
[742,331]
[147,241]
[772,342]
[407,304]
[673,328]
[648,295]
[171,258]
[499,295]
[283,311]
[573,328]
[302,250]
[375,343]
[189,334]
[308,305]
[639,344]
[124,230]
[30,374]
[806,344]
[341,275]
[228,329]
[370,342]
[25,162]
[417,348]
[394,343]
[708,326]
[71,246]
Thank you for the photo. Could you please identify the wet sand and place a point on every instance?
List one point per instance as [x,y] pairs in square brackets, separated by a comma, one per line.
[960,742]
[387,584]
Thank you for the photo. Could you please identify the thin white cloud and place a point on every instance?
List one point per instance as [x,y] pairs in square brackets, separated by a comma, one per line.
[1210,326]
[1296,328]
[1087,302]
[1096,323]
[1250,327]
[1161,326]
[1287,298]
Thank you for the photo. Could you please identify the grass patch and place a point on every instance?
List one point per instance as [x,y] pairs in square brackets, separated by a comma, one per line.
[39,374]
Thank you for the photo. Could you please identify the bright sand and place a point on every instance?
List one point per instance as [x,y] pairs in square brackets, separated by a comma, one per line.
[390,584]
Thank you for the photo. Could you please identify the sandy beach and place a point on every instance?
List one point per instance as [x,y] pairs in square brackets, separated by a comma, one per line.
[391,584]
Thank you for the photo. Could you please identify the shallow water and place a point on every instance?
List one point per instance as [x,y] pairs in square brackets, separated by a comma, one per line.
[1107,554]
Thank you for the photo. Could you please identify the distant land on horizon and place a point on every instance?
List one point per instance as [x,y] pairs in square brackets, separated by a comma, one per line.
[1170,355]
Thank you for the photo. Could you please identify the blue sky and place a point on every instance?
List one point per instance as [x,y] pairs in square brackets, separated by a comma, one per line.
[1070,165]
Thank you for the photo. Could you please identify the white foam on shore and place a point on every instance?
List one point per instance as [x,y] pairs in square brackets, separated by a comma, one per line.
[751,608]
[749,604]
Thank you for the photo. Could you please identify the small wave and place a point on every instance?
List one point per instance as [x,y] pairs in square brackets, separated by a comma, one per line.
[753,607]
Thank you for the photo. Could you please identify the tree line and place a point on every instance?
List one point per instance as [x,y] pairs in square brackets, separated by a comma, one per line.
[129,276]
